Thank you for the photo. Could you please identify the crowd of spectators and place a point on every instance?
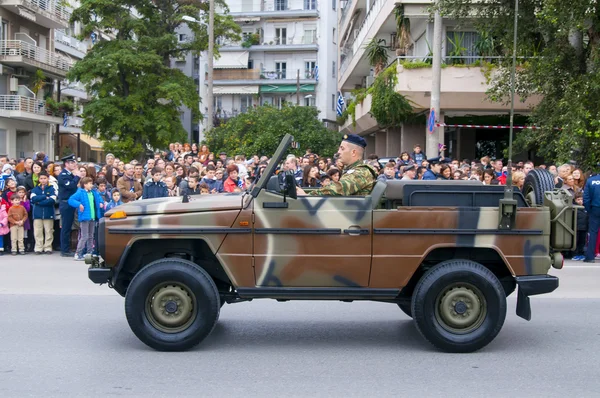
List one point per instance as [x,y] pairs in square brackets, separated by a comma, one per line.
[30,219]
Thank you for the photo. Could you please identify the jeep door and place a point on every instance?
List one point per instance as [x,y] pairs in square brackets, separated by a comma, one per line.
[312,241]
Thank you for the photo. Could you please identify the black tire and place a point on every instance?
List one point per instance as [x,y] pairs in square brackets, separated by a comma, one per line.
[474,281]
[536,183]
[201,296]
[406,308]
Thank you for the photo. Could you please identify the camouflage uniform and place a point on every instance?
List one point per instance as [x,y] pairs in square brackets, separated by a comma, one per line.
[358,179]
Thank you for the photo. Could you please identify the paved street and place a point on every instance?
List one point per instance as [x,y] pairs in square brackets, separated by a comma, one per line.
[61,335]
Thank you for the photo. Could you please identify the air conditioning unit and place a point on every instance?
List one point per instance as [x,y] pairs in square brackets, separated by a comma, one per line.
[13,84]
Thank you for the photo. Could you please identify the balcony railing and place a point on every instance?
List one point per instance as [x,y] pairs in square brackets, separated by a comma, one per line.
[70,41]
[74,121]
[285,74]
[309,39]
[366,24]
[24,104]
[34,53]
[289,5]
[347,7]
[52,7]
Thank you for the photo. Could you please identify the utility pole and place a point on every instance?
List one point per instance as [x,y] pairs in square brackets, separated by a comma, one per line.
[298,87]
[211,51]
[57,134]
[433,135]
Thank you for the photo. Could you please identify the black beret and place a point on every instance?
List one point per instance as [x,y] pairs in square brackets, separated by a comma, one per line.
[69,158]
[409,167]
[434,160]
[355,139]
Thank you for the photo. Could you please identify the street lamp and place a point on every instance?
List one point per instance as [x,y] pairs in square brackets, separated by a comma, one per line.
[210,55]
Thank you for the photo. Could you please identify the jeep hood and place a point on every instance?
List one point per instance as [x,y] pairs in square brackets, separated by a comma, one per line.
[197,203]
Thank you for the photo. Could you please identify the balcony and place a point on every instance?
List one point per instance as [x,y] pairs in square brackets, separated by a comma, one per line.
[236,74]
[26,108]
[69,44]
[275,44]
[73,89]
[74,125]
[275,9]
[463,88]
[47,13]
[18,53]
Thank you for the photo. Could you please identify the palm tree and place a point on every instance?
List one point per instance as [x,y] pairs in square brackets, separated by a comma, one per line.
[377,54]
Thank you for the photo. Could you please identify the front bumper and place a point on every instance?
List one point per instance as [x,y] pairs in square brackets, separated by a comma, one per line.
[531,286]
[96,272]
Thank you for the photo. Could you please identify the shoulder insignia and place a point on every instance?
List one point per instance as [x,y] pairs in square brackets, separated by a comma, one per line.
[350,171]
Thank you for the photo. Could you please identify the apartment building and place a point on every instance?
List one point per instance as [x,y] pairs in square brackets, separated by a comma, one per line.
[288,53]
[27,45]
[463,90]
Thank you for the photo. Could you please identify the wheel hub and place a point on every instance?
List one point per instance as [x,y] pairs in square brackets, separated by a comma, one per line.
[170,307]
[461,308]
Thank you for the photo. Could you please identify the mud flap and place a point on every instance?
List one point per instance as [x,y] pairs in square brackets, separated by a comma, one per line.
[531,286]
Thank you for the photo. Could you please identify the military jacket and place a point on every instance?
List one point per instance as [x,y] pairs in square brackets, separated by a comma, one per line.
[358,179]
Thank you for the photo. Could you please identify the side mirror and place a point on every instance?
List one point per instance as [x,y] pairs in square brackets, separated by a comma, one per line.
[289,185]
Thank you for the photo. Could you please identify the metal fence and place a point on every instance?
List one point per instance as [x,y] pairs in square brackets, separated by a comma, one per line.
[24,104]
[34,53]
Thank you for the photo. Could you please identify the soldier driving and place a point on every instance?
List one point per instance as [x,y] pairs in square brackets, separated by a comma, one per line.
[357,178]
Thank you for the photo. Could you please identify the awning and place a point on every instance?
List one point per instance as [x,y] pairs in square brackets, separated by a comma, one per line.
[232,60]
[246,19]
[219,90]
[94,144]
[286,88]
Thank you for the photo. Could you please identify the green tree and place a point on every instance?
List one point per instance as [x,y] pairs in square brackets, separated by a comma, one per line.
[558,46]
[260,130]
[136,95]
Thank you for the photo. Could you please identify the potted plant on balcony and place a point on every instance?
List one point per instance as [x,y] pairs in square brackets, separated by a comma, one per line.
[59,108]
[377,54]
[37,84]
[404,40]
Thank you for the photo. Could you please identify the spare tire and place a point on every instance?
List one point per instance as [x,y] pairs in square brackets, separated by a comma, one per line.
[536,183]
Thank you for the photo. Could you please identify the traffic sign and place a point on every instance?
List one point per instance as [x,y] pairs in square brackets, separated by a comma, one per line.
[431,121]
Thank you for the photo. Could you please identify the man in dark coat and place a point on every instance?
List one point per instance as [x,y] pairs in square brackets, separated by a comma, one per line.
[68,181]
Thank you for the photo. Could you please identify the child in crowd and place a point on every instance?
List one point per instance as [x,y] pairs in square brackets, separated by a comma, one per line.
[89,206]
[3,224]
[102,189]
[17,215]
[192,187]
[115,201]
[325,180]
[29,241]
[204,190]
[582,228]
[43,198]
[9,190]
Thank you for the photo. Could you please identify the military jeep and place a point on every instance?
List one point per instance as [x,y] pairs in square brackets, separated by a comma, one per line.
[446,253]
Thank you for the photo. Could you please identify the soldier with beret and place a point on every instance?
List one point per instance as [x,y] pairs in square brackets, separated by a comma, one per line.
[68,181]
[357,178]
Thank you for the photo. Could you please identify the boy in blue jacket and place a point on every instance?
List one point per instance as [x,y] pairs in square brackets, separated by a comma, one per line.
[89,205]
[43,198]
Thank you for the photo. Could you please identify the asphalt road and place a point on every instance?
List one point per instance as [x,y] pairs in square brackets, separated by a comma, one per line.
[60,335]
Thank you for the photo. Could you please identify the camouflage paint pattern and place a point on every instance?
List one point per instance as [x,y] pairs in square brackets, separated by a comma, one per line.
[328,241]
[357,179]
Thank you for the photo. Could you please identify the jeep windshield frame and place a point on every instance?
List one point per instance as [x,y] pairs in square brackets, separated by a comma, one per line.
[282,149]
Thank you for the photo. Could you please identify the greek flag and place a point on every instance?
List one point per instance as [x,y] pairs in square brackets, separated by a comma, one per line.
[65,120]
[316,72]
[341,104]
[93,37]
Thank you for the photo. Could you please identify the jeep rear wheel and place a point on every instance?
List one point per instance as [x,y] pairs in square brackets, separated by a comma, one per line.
[459,306]
[172,304]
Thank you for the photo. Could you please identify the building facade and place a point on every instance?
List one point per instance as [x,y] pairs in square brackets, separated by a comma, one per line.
[464,82]
[288,53]
[27,51]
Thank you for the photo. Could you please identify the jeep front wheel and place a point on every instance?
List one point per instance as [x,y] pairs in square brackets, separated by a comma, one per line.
[459,306]
[172,304]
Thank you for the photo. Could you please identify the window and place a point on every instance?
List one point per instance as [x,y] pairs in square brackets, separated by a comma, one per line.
[3,144]
[465,41]
[309,69]
[280,5]
[250,64]
[333,4]
[4,32]
[310,4]
[217,103]
[310,35]
[334,38]
[182,37]
[333,70]
[333,102]
[280,69]
[309,100]
[279,102]
[246,103]
[280,35]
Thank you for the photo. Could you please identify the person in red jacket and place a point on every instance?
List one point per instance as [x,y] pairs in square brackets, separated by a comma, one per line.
[232,182]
